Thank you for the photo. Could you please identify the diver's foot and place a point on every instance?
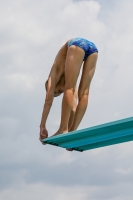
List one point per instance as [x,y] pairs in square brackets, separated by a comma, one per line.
[60,132]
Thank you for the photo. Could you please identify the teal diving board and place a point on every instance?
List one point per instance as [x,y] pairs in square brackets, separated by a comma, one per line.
[94,137]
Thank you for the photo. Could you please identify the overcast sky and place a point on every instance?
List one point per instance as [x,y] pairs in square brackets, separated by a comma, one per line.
[31,33]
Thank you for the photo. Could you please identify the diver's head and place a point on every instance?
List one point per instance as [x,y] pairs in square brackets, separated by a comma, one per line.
[59,88]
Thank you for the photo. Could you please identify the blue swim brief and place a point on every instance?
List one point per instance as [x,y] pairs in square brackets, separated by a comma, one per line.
[87,46]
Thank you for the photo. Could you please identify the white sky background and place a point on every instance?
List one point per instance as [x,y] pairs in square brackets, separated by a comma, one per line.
[31,33]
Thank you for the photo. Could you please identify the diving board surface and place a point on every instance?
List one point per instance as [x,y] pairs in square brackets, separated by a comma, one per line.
[94,137]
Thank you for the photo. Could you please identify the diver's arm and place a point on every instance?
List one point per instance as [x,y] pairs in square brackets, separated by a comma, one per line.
[48,100]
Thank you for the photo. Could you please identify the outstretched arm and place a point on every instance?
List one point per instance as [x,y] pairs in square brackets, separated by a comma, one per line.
[48,103]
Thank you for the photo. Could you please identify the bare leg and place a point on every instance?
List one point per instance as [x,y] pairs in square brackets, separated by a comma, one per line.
[71,120]
[72,115]
[73,64]
[83,92]
[80,111]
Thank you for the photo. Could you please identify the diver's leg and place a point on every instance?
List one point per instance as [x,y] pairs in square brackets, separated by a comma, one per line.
[73,64]
[83,92]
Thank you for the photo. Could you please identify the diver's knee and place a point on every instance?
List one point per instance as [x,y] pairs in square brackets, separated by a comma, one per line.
[82,94]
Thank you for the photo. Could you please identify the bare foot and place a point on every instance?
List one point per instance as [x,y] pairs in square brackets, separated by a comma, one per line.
[60,132]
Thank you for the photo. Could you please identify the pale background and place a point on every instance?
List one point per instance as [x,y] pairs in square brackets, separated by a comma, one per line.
[31,33]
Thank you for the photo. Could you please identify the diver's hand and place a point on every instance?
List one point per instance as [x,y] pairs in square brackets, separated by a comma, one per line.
[43,133]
